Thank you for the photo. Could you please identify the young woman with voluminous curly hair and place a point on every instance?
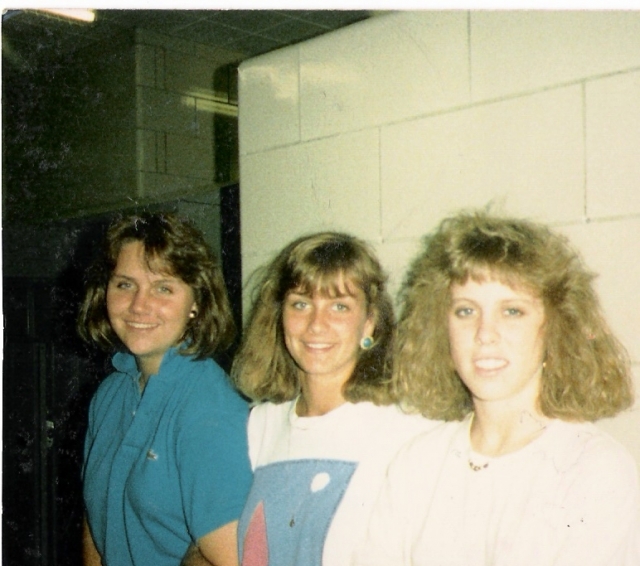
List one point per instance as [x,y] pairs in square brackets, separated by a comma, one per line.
[502,335]
[315,358]
[586,373]
[166,470]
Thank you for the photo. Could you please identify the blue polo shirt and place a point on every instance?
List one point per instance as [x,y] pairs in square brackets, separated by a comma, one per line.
[165,467]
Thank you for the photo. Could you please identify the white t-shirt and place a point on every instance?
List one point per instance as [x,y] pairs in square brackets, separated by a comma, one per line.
[317,478]
[569,498]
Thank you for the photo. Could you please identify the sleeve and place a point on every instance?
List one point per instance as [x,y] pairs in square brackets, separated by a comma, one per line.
[257,430]
[88,438]
[90,434]
[603,506]
[213,462]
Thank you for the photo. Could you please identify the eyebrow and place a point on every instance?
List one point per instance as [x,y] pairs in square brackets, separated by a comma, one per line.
[527,300]
[166,279]
[323,295]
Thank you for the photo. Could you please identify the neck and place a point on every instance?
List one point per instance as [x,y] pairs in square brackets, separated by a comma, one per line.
[496,433]
[142,381]
[146,369]
[317,398]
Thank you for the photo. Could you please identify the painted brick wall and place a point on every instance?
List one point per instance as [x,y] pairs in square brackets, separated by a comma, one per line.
[384,127]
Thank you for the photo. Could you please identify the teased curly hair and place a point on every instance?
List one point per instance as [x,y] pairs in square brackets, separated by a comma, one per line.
[587,371]
[172,243]
[263,369]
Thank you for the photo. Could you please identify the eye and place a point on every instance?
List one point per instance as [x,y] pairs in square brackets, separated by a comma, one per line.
[340,307]
[122,284]
[164,290]
[463,312]
[297,304]
[513,311]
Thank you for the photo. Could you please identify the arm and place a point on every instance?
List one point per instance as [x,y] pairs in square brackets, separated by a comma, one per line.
[90,555]
[217,548]
[215,475]
[194,557]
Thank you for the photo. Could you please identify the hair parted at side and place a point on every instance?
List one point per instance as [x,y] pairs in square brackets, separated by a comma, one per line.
[587,371]
[263,369]
[172,245]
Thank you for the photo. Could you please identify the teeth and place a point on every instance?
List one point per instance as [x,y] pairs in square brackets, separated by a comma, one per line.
[140,325]
[318,346]
[490,363]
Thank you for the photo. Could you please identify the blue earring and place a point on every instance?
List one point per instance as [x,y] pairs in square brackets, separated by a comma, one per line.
[366,343]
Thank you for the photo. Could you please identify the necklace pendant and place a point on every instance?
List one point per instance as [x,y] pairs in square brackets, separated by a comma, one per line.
[292,522]
[478,467]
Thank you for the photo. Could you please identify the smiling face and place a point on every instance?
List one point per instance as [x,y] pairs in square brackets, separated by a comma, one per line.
[496,335]
[322,333]
[148,310]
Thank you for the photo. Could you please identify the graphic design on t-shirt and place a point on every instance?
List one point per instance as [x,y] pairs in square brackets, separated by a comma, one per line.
[289,511]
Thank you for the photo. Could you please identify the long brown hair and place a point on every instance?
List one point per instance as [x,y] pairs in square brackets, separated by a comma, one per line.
[263,369]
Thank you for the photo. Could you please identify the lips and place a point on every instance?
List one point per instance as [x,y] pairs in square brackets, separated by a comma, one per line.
[317,346]
[490,363]
[141,325]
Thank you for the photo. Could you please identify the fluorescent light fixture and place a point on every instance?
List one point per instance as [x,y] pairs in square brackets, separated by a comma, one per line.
[211,106]
[71,13]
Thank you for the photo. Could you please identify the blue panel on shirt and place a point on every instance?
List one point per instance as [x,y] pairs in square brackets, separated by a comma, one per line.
[299,499]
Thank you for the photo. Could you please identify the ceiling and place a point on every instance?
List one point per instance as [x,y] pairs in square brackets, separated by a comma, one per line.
[31,38]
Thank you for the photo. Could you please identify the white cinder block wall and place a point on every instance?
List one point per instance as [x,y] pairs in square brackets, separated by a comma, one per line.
[386,126]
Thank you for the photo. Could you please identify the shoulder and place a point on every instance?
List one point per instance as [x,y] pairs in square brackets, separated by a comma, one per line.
[389,420]
[436,442]
[394,415]
[204,383]
[114,384]
[585,448]
[116,394]
[268,412]
[268,424]
[380,431]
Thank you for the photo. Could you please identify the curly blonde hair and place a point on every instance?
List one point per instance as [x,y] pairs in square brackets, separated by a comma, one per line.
[587,372]
[263,369]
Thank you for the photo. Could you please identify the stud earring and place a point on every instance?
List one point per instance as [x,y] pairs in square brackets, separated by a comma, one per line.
[366,343]
[193,314]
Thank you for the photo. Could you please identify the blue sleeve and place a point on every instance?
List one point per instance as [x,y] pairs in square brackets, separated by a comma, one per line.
[213,460]
[88,439]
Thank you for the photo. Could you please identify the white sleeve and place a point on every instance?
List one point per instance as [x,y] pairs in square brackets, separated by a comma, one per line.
[255,433]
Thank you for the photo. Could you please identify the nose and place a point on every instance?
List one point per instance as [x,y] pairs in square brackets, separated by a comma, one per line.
[139,301]
[487,330]
[317,319]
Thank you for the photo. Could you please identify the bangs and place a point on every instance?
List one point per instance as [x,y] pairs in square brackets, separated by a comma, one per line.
[334,284]
[328,264]
[158,264]
[482,272]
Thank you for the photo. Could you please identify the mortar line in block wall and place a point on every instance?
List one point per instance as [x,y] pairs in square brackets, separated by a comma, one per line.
[297,51]
[380,207]
[469,57]
[435,113]
[585,195]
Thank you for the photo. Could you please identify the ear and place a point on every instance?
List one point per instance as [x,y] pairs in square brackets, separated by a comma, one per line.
[369,325]
[194,310]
